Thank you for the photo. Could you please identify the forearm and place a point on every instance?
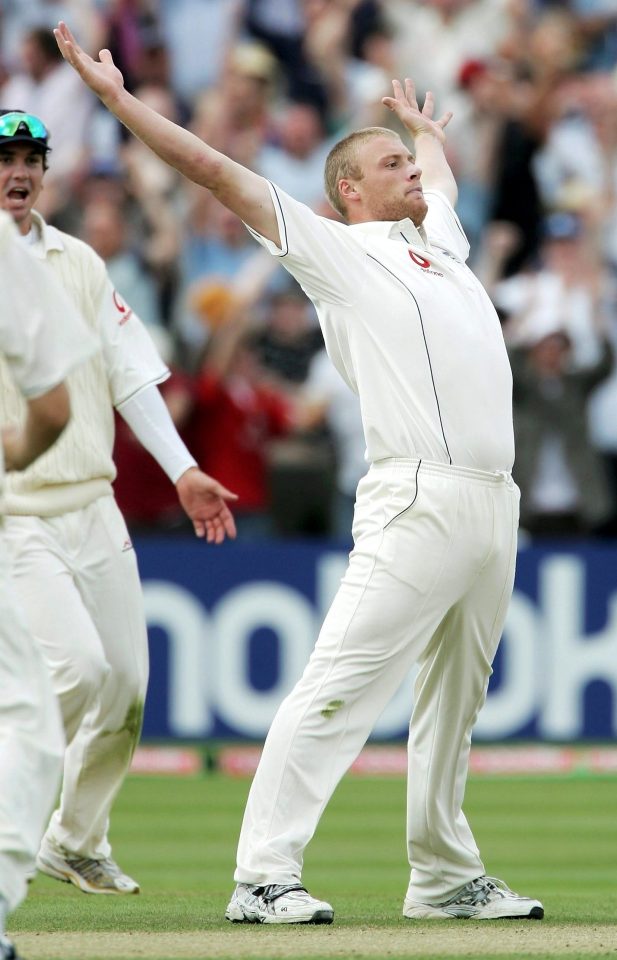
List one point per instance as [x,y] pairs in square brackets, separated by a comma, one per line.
[46,419]
[178,147]
[238,188]
[436,172]
[149,419]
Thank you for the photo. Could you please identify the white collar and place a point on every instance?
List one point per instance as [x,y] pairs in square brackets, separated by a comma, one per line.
[395,230]
[49,238]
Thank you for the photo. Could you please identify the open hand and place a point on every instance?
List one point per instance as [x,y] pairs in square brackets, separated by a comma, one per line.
[203,499]
[405,106]
[102,76]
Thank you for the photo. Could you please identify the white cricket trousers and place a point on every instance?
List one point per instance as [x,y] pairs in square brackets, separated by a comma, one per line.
[428,582]
[31,745]
[77,581]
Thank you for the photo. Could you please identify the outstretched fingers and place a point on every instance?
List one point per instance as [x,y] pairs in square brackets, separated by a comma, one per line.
[64,31]
[445,120]
[102,76]
[410,92]
[218,527]
[429,108]
[429,105]
[69,48]
[72,52]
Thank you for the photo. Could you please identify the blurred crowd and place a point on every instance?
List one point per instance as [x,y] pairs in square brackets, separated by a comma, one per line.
[274,83]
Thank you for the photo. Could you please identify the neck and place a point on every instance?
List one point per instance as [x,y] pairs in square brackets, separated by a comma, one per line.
[25,226]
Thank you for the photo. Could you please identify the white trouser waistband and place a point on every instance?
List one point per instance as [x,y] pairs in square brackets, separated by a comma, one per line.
[415,465]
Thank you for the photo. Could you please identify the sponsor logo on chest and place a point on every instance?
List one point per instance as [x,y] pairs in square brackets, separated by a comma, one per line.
[423,264]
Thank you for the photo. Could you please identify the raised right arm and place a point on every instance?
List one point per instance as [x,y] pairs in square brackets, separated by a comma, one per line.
[238,188]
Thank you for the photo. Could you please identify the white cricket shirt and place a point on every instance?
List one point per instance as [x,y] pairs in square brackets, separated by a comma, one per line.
[37,358]
[410,329]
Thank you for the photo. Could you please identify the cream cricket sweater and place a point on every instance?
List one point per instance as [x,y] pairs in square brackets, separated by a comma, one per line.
[79,467]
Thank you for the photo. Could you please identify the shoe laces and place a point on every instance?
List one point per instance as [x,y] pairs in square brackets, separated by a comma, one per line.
[93,870]
[480,891]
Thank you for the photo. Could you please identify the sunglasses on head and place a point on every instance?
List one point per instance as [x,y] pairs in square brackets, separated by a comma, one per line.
[11,122]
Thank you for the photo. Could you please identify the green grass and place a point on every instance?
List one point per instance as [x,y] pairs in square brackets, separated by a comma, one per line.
[551,838]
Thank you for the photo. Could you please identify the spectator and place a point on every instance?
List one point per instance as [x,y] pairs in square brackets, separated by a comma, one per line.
[296,157]
[236,416]
[135,40]
[475,139]
[568,288]
[301,466]
[281,26]
[47,87]
[290,339]
[603,411]
[157,205]
[578,163]
[18,17]
[351,87]
[332,402]
[106,230]
[564,487]
[236,115]
[597,21]
[270,81]
[543,56]
[217,255]
[199,35]
[435,38]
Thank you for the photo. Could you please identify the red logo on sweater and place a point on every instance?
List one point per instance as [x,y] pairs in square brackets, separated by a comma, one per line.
[425,264]
[123,308]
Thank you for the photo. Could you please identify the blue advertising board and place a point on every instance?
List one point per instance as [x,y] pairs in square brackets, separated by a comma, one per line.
[231,629]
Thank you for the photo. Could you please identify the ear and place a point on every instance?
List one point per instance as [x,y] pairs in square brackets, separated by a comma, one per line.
[348,191]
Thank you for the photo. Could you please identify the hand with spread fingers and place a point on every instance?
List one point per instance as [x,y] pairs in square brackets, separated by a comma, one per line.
[405,106]
[428,135]
[204,501]
[102,76]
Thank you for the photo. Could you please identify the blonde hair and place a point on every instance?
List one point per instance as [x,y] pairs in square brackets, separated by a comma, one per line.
[342,162]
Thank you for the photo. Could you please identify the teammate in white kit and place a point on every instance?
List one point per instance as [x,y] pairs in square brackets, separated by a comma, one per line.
[413,332]
[31,737]
[73,565]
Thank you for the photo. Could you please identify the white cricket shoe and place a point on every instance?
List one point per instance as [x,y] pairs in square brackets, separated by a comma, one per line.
[90,875]
[244,904]
[7,949]
[276,903]
[486,898]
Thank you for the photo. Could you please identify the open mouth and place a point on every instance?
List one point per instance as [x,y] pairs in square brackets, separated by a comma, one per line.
[17,193]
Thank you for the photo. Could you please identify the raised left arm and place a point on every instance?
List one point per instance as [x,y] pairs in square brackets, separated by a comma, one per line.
[428,134]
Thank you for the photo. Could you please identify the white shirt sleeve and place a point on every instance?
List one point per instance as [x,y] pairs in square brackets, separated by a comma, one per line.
[41,334]
[321,254]
[443,227]
[131,358]
[149,419]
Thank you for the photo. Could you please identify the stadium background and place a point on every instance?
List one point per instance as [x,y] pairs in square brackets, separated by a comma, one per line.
[534,147]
